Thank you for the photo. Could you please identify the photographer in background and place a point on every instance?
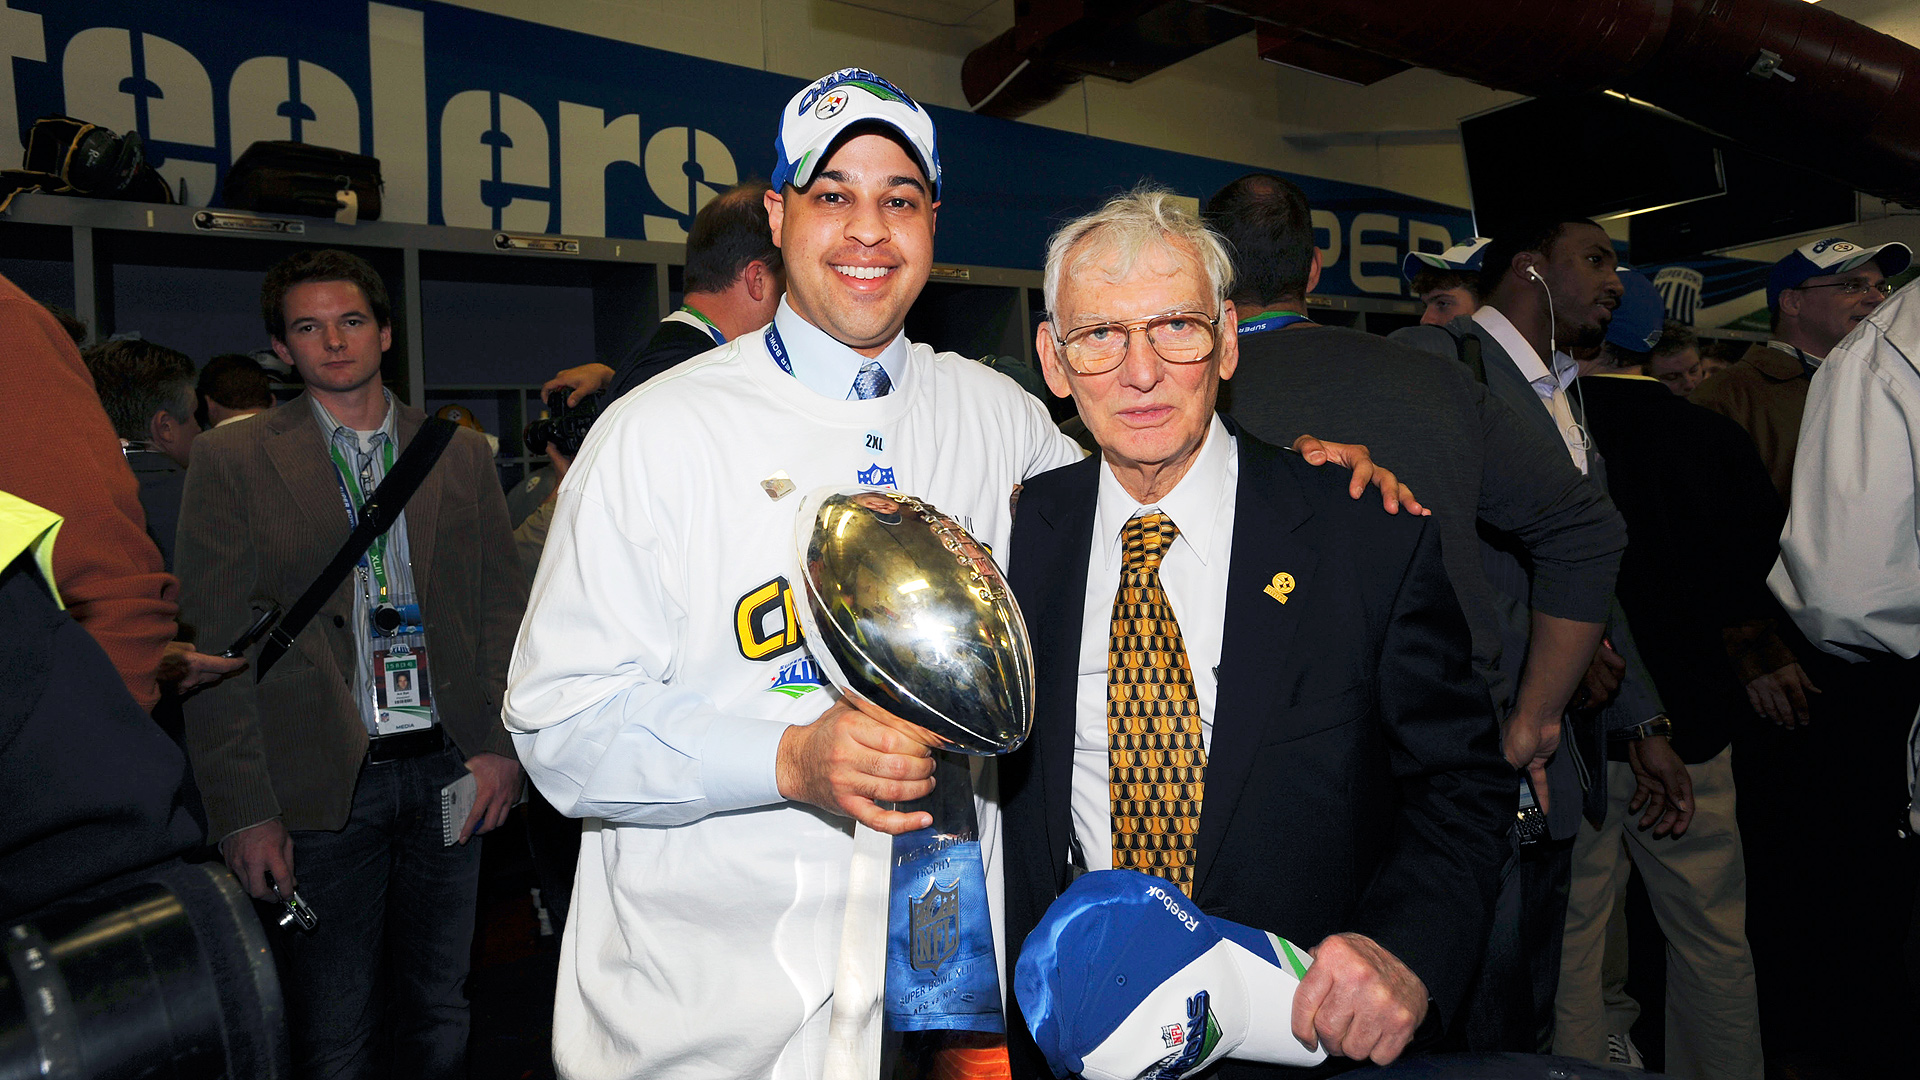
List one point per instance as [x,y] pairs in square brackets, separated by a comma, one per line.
[148,392]
[553,839]
[557,435]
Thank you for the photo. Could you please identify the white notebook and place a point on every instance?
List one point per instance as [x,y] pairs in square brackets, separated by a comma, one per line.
[456,802]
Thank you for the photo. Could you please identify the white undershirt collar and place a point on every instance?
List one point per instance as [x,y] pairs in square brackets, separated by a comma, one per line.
[1525,357]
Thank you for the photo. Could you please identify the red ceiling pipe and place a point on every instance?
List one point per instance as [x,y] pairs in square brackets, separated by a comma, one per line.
[1850,110]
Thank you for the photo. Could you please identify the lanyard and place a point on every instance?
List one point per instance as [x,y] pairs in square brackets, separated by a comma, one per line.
[1270,320]
[375,560]
[705,324]
[779,349]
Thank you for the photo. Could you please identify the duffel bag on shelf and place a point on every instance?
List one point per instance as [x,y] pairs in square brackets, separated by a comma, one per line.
[282,177]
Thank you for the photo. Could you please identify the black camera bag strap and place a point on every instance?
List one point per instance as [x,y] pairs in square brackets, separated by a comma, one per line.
[381,510]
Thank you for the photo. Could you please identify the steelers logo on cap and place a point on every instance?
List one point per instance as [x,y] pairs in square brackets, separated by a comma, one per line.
[830,105]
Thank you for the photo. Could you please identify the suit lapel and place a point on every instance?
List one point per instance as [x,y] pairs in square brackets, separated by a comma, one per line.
[1053,567]
[297,448]
[1505,382]
[1259,631]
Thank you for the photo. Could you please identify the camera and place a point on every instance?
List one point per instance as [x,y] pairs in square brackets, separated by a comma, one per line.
[563,428]
[161,972]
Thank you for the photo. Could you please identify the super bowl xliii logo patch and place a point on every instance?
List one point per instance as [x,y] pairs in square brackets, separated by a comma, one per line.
[798,679]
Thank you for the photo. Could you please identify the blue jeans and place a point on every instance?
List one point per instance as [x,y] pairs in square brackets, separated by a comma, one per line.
[380,987]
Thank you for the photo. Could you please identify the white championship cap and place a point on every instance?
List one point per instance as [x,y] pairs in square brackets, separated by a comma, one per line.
[816,116]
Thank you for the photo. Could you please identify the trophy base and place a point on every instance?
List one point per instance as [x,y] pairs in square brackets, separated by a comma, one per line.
[944,1055]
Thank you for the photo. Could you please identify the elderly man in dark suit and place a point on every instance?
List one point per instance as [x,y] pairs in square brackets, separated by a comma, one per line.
[1247,683]
[312,778]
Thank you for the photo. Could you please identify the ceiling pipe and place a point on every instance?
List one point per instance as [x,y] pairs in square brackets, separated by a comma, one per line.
[1790,79]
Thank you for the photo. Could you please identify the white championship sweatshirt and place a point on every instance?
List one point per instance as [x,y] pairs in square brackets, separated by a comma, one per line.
[659,663]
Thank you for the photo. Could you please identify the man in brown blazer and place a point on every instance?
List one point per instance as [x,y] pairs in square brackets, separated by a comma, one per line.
[321,775]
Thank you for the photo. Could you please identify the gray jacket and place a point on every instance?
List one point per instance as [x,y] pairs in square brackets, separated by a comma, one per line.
[1637,700]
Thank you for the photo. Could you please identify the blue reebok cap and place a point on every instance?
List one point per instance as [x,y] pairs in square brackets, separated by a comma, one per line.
[1125,977]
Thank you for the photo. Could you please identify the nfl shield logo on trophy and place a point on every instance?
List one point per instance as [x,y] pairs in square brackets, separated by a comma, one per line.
[935,925]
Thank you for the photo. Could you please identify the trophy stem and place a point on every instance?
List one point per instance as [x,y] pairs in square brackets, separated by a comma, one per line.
[943,988]
[951,801]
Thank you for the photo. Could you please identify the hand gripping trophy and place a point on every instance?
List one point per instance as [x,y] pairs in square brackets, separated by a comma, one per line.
[905,610]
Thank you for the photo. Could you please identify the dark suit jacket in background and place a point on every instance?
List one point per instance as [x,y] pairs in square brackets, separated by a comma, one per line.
[1706,526]
[161,482]
[1464,452]
[260,518]
[672,343]
[1354,778]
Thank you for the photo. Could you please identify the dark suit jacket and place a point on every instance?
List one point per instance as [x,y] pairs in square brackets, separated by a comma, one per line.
[161,482]
[672,343]
[1706,528]
[1354,780]
[260,518]
[91,786]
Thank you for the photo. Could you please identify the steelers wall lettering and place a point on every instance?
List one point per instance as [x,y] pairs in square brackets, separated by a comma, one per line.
[764,625]
[490,122]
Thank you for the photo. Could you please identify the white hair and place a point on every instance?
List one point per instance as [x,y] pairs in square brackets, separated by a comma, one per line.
[1122,230]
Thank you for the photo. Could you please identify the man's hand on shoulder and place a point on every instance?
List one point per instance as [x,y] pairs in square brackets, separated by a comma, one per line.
[1393,493]
[255,851]
[498,781]
[853,757]
[1358,1000]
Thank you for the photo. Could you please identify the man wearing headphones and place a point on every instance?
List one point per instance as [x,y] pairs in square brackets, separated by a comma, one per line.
[1549,285]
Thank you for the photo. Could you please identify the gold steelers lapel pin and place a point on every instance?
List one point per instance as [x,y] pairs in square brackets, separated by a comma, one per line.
[1281,585]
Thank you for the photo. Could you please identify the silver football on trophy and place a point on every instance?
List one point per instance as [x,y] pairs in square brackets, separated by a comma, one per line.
[905,609]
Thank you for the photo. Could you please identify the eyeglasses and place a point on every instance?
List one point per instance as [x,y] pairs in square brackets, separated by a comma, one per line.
[1178,337]
[1854,287]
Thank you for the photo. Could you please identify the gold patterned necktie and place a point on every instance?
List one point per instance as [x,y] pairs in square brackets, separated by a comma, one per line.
[1156,765]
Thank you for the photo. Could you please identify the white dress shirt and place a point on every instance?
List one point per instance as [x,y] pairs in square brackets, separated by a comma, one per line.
[1849,566]
[824,364]
[1550,385]
[1194,574]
